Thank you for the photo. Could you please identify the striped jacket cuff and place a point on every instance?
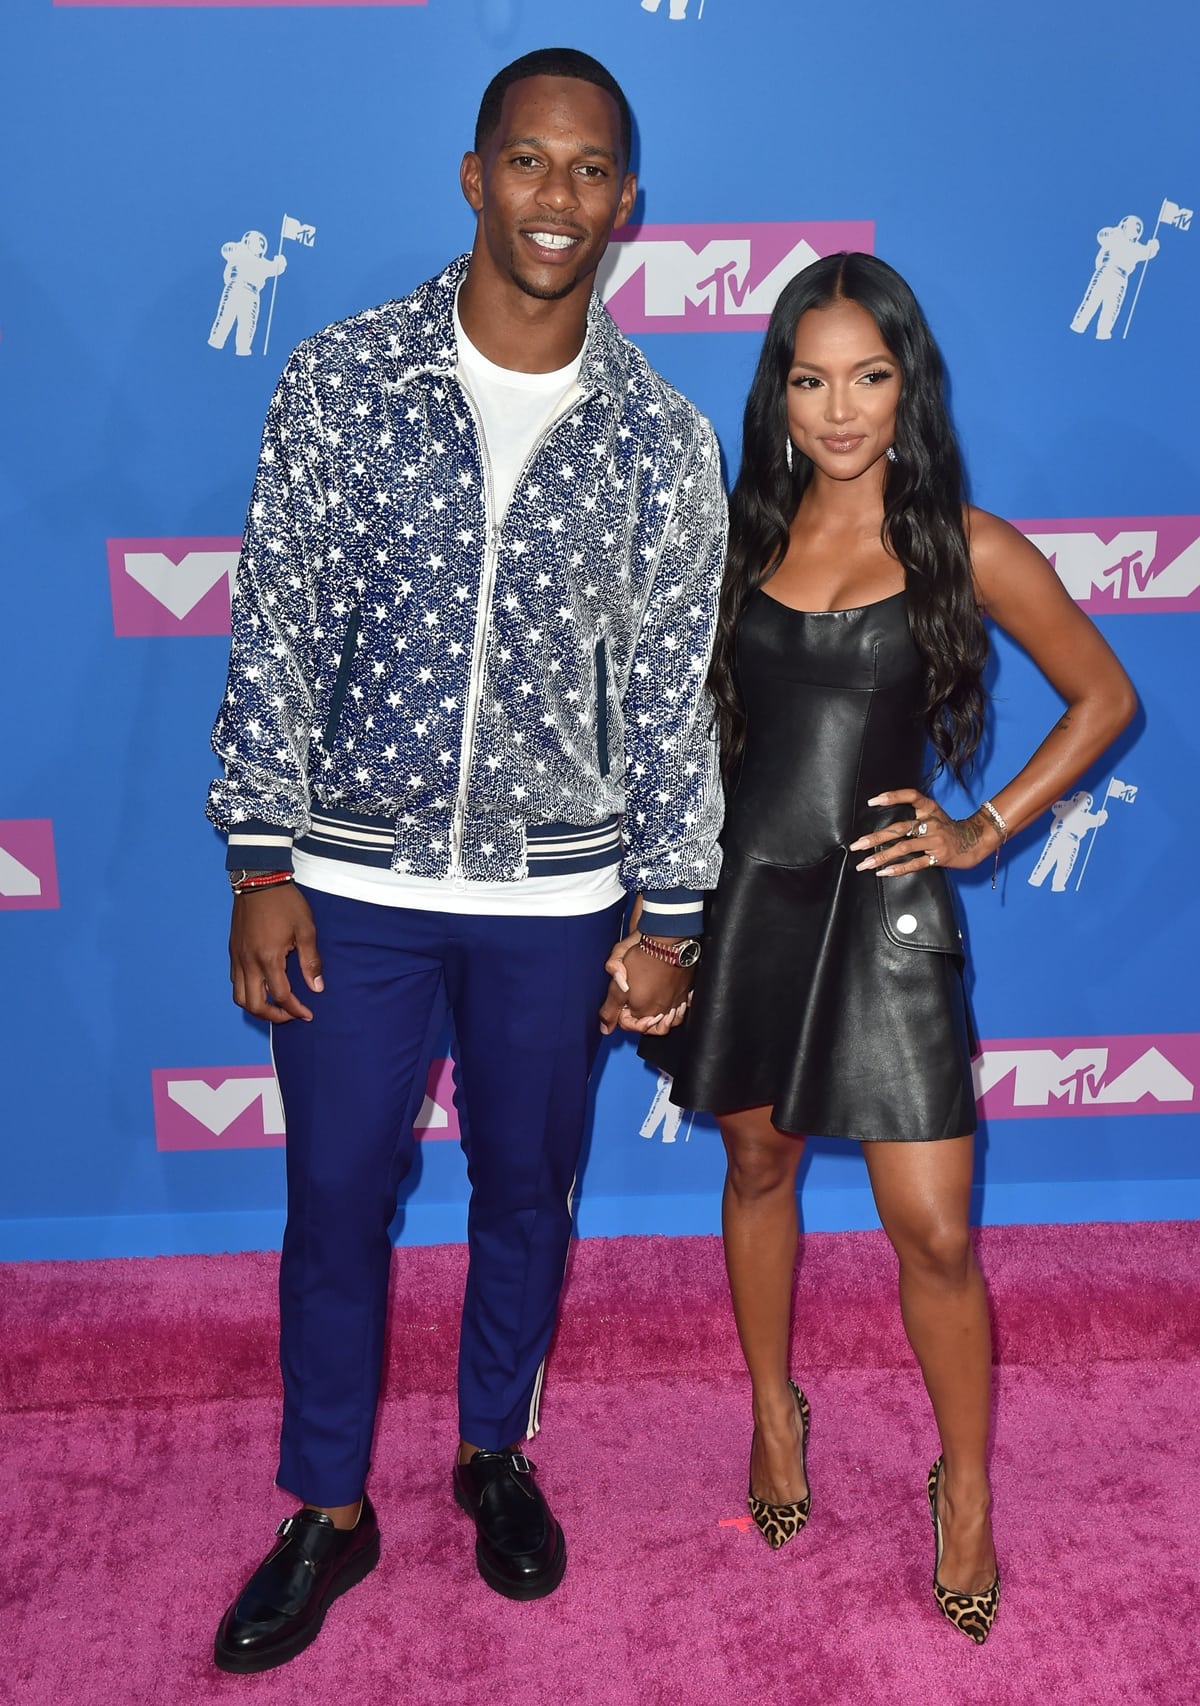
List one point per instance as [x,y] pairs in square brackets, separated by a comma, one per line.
[672,912]
[258,847]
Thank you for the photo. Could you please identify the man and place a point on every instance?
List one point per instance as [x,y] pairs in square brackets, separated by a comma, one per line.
[465,717]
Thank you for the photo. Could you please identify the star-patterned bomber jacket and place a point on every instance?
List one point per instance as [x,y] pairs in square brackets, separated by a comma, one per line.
[412,686]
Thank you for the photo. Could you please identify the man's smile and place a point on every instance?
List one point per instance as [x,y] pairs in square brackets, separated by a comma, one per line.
[552,240]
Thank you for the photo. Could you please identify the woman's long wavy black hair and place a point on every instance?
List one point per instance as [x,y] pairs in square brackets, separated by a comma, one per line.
[923,497]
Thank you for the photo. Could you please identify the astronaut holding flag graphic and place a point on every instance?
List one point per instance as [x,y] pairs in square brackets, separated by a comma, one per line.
[1074,820]
[247,269]
[1121,253]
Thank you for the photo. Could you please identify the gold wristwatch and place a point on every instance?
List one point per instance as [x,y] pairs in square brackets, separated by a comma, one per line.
[683,955]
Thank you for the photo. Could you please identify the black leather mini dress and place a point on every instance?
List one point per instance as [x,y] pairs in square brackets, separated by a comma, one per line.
[831,995]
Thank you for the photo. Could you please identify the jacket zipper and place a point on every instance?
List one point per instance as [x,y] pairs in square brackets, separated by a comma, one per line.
[483,610]
[483,607]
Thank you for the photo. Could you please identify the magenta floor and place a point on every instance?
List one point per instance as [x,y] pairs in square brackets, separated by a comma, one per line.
[133,1504]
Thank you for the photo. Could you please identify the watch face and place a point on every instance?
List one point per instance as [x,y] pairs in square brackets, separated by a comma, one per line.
[689,953]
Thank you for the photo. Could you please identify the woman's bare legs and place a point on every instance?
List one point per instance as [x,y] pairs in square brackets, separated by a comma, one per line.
[923,1193]
[758,1217]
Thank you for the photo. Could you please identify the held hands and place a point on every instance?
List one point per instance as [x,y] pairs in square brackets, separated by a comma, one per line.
[266,927]
[645,995]
[928,838]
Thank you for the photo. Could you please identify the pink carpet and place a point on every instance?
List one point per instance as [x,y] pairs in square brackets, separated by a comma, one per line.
[137,1392]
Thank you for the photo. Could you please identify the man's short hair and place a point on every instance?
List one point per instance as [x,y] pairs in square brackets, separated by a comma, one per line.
[551,62]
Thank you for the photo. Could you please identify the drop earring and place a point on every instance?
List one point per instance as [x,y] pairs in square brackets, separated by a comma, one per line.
[891,453]
[787,451]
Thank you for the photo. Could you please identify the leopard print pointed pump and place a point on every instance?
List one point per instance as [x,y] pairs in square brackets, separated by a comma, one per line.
[780,1523]
[973,1613]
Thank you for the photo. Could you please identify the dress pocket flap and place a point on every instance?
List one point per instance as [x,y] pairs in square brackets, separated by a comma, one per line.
[918,912]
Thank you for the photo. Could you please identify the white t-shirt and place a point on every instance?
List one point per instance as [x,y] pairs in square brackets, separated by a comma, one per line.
[514,410]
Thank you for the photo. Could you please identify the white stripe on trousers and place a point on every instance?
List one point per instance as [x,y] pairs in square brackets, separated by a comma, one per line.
[535,1402]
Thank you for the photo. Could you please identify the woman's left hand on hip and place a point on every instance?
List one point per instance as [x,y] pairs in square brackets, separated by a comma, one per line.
[928,838]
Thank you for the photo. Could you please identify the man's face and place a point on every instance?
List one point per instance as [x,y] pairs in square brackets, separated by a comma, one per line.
[550,186]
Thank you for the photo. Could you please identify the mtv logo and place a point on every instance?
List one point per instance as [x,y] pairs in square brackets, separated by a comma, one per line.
[220,1107]
[171,586]
[438,1117]
[239,1107]
[1117,564]
[1062,1077]
[713,278]
[28,874]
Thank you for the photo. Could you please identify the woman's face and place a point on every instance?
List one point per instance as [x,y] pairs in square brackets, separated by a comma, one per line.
[842,390]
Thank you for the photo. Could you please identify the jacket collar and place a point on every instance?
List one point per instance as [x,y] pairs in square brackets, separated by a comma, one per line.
[605,364]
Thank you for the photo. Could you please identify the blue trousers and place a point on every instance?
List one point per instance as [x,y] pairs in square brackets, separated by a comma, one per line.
[524,994]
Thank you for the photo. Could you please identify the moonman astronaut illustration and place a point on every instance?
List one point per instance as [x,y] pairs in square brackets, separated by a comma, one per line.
[663,1112]
[1120,252]
[1073,819]
[678,12]
[247,269]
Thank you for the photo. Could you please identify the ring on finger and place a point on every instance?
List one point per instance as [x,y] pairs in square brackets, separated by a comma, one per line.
[932,857]
[922,827]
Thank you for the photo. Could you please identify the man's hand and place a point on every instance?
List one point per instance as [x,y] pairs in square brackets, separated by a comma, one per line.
[645,995]
[266,927]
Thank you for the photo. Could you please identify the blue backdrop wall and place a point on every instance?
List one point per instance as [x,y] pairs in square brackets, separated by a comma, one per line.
[1030,168]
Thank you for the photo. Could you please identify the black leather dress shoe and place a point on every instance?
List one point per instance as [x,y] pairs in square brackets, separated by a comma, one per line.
[520,1548]
[283,1605]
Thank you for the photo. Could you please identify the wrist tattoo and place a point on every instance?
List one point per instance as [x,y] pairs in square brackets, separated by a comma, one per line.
[970,830]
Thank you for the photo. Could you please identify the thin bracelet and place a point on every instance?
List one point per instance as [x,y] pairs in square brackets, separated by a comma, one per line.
[1000,824]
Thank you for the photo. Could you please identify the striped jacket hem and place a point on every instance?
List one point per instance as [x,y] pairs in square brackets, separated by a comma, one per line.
[551,850]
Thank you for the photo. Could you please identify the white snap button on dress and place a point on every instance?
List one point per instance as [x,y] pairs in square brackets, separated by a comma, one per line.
[906,923]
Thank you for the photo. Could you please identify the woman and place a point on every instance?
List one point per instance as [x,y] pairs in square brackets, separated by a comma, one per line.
[829,998]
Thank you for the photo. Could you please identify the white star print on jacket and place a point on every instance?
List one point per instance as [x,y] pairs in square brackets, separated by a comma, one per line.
[411,685]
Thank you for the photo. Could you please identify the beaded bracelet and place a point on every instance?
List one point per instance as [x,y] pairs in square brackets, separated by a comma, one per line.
[1000,824]
[267,880]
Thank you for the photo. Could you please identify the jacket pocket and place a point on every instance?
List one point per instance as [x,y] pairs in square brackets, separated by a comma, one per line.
[341,680]
[918,912]
[602,704]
